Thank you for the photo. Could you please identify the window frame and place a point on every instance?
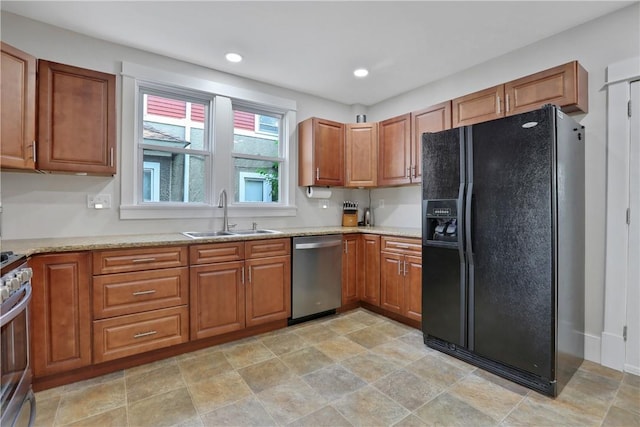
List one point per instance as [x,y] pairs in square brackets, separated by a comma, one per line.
[221,125]
[280,159]
[145,89]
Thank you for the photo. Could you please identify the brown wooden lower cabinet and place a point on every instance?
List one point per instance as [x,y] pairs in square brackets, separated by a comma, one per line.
[229,296]
[217,299]
[369,269]
[137,333]
[60,312]
[401,277]
[268,289]
[350,276]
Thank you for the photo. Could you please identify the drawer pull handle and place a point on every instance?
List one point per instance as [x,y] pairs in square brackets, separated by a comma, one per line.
[145,334]
[402,246]
[140,260]
[150,291]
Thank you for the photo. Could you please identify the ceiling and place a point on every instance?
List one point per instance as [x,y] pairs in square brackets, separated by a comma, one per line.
[314,46]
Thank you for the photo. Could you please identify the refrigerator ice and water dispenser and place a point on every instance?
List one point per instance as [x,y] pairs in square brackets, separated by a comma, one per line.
[441,221]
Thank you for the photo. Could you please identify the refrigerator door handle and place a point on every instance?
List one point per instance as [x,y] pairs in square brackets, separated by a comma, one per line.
[459,220]
[468,221]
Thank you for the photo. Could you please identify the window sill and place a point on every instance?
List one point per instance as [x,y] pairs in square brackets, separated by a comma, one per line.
[167,211]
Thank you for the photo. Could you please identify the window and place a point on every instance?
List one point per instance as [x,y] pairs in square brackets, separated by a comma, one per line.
[175,147]
[257,155]
[187,138]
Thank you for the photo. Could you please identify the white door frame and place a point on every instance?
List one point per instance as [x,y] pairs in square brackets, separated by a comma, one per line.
[617,261]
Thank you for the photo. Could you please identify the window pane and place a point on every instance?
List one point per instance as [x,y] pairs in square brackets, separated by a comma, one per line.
[256,180]
[174,122]
[256,134]
[171,177]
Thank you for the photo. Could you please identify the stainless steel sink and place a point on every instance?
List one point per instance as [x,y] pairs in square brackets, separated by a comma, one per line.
[209,234]
[250,232]
[206,234]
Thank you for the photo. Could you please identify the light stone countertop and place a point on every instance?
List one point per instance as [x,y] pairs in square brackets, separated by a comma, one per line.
[69,244]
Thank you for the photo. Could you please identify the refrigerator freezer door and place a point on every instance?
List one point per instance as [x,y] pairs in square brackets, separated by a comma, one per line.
[444,293]
[512,298]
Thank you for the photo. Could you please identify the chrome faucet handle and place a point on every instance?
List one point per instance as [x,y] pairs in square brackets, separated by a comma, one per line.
[230,226]
[254,226]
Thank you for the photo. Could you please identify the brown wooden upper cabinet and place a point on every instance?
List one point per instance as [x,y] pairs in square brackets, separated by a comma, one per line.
[433,119]
[361,143]
[564,86]
[394,150]
[17,109]
[320,152]
[76,120]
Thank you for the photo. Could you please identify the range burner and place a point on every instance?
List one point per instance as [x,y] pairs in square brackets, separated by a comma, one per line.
[8,258]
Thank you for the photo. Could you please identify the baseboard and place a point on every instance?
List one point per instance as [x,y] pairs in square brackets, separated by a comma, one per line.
[612,351]
[592,347]
[635,370]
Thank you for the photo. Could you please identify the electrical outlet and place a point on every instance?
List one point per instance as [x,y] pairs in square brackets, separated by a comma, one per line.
[99,201]
[381,203]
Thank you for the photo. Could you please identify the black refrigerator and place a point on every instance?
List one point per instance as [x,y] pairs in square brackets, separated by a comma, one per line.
[503,246]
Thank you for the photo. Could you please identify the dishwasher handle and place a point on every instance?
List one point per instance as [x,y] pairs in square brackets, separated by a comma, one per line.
[316,245]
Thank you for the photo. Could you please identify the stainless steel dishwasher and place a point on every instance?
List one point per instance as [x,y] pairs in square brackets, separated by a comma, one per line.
[316,285]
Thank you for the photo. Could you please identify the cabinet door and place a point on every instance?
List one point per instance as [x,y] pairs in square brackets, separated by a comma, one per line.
[391,282]
[17,109]
[394,151]
[369,269]
[60,313]
[412,288]
[217,299]
[320,152]
[268,286]
[361,144]
[565,86]
[478,107]
[350,268]
[432,119]
[76,119]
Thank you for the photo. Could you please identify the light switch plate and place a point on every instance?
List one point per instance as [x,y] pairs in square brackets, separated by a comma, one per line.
[99,201]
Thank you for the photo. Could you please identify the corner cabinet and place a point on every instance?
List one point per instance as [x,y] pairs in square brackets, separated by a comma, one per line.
[565,86]
[17,109]
[320,153]
[60,312]
[361,146]
[76,120]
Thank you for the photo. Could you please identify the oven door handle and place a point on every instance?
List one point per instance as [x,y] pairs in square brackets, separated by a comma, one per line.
[11,314]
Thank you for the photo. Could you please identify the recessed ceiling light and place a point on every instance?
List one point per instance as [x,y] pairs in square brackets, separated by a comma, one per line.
[361,72]
[233,57]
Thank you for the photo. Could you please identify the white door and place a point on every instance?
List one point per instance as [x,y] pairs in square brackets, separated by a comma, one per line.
[632,353]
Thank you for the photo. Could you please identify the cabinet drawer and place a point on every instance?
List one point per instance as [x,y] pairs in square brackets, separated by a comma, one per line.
[137,333]
[124,260]
[128,293]
[401,245]
[267,248]
[216,252]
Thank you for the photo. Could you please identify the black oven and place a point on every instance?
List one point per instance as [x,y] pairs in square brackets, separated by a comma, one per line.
[18,406]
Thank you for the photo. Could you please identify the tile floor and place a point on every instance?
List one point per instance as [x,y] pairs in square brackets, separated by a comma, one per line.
[357,368]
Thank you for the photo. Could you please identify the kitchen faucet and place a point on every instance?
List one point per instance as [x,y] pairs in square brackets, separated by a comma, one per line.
[222,203]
